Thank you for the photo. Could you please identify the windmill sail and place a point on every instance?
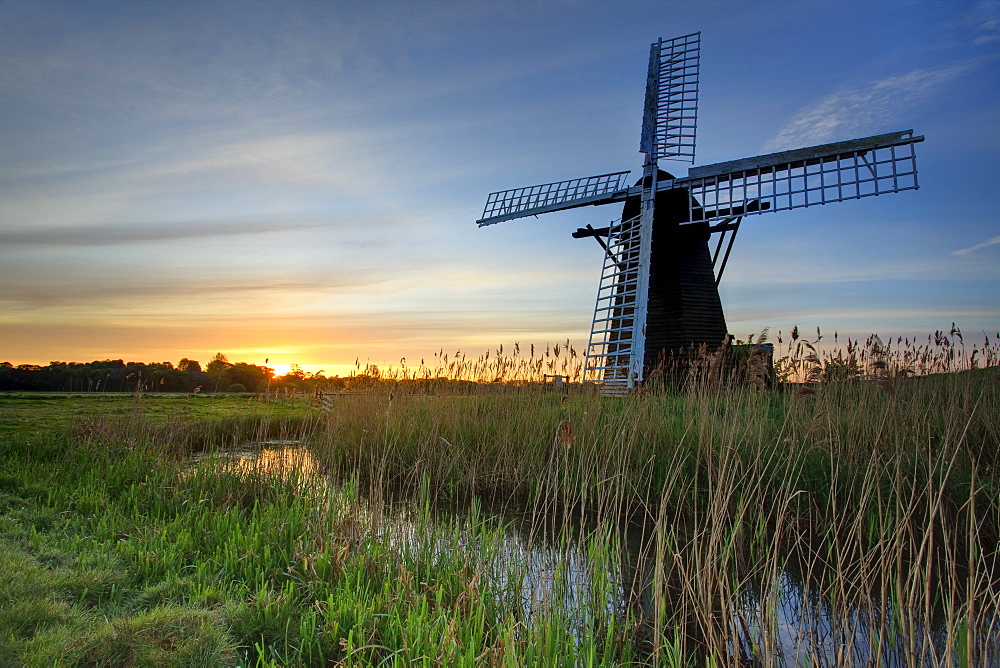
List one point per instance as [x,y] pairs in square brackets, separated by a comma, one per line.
[616,350]
[804,177]
[671,111]
[612,348]
[532,200]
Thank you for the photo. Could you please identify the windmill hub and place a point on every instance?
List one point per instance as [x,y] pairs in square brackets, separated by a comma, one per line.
[658,292]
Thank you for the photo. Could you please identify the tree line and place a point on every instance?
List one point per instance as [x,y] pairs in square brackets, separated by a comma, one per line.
[218,375]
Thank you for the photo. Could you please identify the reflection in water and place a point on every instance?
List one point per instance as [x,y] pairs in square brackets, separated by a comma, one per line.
[586,576]
[280,458]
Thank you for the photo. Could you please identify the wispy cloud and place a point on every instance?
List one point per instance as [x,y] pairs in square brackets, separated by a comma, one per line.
[972,249]
[983,21]
[108,298]
[122,233]
[865,108]
[873,314]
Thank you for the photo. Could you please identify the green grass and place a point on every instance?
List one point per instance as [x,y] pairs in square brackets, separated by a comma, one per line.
[118,553]
[28,414]
[118,548]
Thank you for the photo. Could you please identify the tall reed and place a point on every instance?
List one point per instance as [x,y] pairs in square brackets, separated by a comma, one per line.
[852,519]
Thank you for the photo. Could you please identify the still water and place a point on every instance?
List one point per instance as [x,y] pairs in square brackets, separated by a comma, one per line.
[543,566]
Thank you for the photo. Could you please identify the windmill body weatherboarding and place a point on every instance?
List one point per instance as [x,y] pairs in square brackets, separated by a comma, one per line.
[658,293]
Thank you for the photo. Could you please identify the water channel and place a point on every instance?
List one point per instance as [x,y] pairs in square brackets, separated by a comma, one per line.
[581,572]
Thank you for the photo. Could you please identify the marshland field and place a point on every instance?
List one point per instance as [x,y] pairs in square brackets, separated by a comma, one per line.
[851,517]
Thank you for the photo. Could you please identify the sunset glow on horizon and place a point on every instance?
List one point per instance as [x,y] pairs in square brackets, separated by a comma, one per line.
[298,182]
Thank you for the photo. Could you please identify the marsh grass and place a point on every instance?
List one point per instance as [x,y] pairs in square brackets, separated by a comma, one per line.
[853,523]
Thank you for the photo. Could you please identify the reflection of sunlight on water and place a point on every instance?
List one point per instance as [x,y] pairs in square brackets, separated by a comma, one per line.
[582,578]
[272,458]
[287,464]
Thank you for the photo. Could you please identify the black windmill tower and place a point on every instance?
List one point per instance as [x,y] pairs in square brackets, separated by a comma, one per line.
[658,292]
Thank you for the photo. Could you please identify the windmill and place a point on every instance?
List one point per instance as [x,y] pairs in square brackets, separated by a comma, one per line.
[658,292]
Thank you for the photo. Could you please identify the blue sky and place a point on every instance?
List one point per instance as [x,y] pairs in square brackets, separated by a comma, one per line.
[300,181]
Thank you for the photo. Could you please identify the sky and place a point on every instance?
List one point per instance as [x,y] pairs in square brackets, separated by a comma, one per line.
[298,182]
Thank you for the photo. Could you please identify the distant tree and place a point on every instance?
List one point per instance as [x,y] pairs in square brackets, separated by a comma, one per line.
[119,376]
[216,370]
[162,377]
[7,376]
[237,387]
[175,380]
[254,378]
[218,364]
[189,365]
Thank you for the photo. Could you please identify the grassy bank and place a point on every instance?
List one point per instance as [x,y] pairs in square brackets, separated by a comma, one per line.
[659,529]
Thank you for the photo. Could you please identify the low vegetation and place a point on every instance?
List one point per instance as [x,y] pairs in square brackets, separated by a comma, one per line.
[852,518]
[219,375]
